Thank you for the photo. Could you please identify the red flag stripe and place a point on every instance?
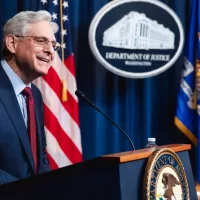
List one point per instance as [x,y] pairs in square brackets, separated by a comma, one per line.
[64,141]
[70,105]
[69,63]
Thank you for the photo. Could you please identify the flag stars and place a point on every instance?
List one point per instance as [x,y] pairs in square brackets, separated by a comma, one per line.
[44,1]
[54,16]
[55,2]
[63,46]
[65,4]
[64,32]
[65,18]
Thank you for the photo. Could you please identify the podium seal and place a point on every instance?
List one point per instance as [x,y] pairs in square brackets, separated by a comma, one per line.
[165,177]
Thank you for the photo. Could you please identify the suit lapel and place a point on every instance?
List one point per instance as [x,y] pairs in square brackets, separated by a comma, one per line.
[9,100]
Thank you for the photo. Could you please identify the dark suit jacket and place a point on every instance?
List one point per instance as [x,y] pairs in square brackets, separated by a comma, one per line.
[16,160]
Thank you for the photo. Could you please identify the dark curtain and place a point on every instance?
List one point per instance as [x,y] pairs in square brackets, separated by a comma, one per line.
[142,107]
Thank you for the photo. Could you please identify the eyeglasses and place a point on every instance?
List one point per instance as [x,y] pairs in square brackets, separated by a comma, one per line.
[42,41]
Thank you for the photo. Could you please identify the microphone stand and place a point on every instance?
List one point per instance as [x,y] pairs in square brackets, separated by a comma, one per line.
[81,94]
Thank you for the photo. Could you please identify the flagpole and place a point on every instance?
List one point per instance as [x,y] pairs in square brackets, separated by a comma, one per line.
[64,89]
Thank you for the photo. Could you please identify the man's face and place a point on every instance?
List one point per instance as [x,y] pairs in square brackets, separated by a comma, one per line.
[32,58]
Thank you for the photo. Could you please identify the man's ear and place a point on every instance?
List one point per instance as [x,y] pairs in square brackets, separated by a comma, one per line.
[10,43]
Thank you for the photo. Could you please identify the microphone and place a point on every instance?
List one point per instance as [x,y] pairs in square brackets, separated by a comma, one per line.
[82,95]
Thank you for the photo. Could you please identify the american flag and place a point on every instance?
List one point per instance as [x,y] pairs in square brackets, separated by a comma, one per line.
[61,118]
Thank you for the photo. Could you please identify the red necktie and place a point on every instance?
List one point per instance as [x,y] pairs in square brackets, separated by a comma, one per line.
[31,123]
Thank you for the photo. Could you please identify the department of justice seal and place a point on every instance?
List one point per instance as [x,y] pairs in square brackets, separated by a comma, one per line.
[136,38]
[165,177]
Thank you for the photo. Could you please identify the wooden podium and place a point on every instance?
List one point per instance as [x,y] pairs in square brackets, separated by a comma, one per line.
[111,177]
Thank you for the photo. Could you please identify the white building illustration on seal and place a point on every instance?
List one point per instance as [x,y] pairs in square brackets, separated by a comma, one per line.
[136,31]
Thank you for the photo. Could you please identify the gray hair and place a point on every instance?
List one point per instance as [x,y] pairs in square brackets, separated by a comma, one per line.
[19,24]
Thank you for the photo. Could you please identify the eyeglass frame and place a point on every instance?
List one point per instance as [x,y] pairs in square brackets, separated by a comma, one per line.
[56,45]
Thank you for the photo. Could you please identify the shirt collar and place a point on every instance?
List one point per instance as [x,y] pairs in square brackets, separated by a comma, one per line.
[17,83]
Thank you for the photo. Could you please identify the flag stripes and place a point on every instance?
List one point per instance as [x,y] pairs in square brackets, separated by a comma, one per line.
[63,71]
[52,162]
[56,153]
[61,118]
[66,144]
[69,62]
[71,105]
[54,104]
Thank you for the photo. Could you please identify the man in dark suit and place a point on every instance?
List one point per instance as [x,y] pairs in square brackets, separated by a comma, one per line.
[29,47]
